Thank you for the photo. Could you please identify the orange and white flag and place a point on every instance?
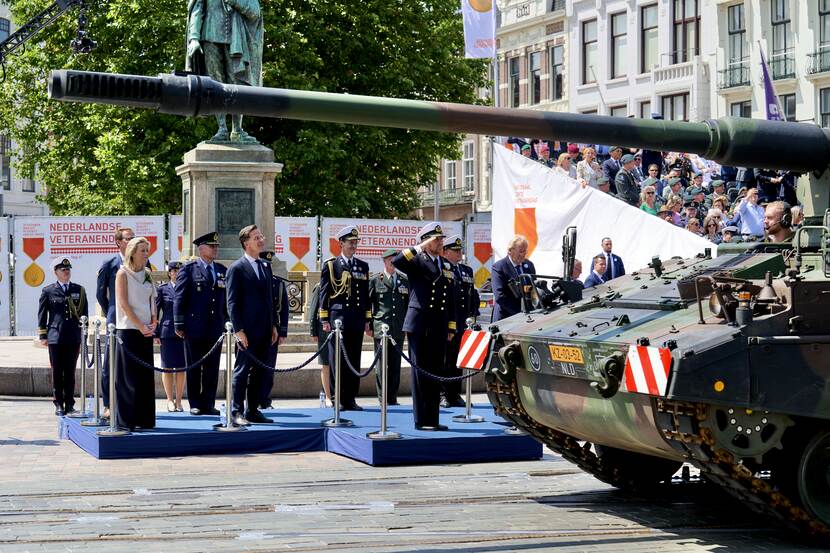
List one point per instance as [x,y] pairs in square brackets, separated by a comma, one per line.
[479,28]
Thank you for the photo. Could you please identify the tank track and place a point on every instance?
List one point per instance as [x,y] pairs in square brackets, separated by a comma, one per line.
[506,403]
[680,425]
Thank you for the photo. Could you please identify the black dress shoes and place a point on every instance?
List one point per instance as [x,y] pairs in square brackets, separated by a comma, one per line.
[447,402]
[59,412]
[436,428]
[257,417]
[195,411]
[239,420]
[212,411]
[351,407]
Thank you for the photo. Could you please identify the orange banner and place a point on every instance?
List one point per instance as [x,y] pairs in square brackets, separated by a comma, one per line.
[524,223]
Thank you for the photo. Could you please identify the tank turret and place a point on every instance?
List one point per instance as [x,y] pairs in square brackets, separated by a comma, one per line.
[733,141]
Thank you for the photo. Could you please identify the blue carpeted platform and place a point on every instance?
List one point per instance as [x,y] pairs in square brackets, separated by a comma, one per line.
[180,434]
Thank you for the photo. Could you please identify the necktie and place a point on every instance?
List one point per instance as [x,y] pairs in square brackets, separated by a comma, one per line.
[65,288]
[210,277]
[610,262]
[261,271]
[518,269]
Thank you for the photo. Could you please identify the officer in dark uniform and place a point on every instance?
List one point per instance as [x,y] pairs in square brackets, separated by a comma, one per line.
[105,294]
[171,346]
[61,306]
[344,295]
[466,306]
[280,294]
[199,315]
[430,319]
[389,298]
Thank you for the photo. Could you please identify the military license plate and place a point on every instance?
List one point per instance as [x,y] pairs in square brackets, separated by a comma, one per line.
[566,354]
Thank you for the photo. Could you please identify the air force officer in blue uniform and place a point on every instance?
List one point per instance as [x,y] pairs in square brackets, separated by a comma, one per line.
[509,268]
[250,301]
[430,319]
[199,315]
[61,306]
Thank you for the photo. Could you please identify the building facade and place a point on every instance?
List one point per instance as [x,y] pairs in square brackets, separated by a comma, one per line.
[18,196]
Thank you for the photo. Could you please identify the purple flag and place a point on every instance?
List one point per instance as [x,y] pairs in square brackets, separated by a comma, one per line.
[770,97]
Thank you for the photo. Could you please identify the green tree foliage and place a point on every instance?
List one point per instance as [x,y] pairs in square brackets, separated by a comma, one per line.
[100,159]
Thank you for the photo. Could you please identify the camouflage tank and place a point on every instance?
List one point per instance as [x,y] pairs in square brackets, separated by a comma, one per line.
[717,362]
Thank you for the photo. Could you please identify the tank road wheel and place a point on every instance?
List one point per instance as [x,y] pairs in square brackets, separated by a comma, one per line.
[814,477]
[634,471]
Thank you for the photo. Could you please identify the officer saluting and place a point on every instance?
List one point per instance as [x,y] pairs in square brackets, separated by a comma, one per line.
[61,306]
[280,295]
[430,319]
[199,315]
[389,298]
[466,305]
[344,295]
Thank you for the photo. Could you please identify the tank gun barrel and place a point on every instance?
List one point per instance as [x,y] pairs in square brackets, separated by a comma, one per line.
[730,140]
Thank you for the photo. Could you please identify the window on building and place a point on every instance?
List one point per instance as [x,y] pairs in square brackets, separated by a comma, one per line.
[514,82]
[5,28]
[557,71]
[468,166]
[5,163]
[781,62]
[618,111]
[686,30]
[619,39]
[676,107]
[787,102]
[450,179]
[645,109]
[649,56]
[741,109]
[824,24]
[737,34]
[28,185]
[824,107]
[534,66]
[589,51]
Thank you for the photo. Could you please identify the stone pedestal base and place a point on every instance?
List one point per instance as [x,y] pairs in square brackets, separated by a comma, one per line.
[226,187]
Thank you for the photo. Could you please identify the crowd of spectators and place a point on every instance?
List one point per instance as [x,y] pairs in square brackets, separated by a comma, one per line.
[720,203]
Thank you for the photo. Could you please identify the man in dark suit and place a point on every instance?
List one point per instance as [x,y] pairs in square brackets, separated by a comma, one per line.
[466,306]
[430,320]
[61,306]
[389,298]
[279,293]
[249,288]
[199,315]
[611,165]
[596,278]
[344,295]
[507,269]
[105,294]
[614,266]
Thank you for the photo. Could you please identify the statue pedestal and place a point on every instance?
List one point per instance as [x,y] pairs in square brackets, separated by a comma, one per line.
[226,187]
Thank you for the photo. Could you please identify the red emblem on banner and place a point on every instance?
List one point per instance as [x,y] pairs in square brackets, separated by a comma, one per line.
[33,247]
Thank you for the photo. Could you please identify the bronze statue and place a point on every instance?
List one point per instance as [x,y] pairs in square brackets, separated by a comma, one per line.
[224,41]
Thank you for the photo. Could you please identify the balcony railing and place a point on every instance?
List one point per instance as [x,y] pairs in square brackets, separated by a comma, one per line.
[445,197]
[819,61]
[782,66]
[557,5]
[734,75]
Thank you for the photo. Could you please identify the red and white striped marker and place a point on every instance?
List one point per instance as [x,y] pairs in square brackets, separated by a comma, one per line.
[647,370]
[473,350]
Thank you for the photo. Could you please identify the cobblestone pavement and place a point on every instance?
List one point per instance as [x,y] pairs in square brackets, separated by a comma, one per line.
[55,497]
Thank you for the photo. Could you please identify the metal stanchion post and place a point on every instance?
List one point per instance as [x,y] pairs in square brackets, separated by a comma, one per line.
[228,425]
[96,419]
[383,434]
[81,413]
[337,421]
[468,416]
[113,429]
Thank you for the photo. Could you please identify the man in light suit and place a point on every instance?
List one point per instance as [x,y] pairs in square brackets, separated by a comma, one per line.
[595,278]
[614,266]
[507,269]
[250,301]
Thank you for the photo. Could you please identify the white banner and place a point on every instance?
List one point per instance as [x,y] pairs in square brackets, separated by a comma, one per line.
[85,241]
[538,203]
[176,233]
[479,251]
[479,28]
[377,236]
[5,279]
[295,242]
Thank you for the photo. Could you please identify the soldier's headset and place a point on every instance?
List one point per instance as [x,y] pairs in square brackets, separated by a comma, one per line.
[786,220]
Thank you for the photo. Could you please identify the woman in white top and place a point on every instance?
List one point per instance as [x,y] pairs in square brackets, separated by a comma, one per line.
[588,169]
[135,323]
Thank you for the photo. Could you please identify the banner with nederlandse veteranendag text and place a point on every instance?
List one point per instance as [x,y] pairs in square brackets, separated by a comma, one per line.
[295,242]
[5,279]
[377,236]
[539,203]
[479,251]
[86,241]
